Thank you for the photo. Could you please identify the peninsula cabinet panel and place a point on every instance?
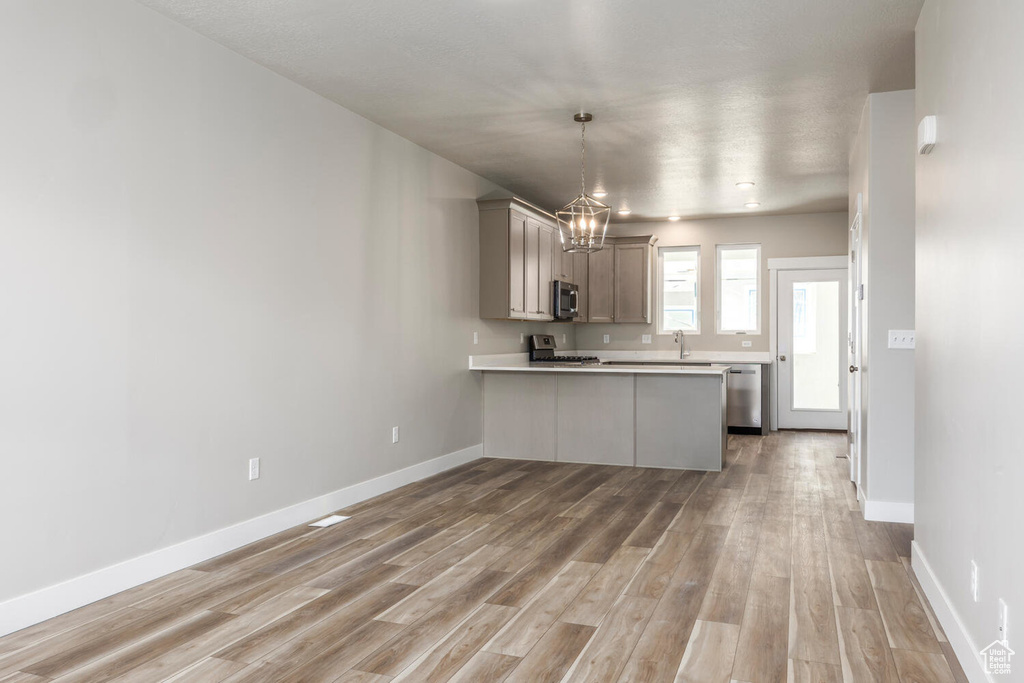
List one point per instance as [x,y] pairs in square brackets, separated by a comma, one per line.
[601,286]
[519,420]
[595,419]
[680,424]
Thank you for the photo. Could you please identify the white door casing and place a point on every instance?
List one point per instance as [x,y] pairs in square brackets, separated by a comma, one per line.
[854,338]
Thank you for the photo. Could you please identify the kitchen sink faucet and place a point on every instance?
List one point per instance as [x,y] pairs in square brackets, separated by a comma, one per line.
[681,340]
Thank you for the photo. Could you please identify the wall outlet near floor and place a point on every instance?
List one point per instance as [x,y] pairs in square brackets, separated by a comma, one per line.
[645,339]
[901,339]
[974,580]
[476,337]
[607,338]
[254,468]
[747,344]
[394,435]
[1004,621]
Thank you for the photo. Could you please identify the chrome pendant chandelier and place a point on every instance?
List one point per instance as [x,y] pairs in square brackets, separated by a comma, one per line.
[582,223]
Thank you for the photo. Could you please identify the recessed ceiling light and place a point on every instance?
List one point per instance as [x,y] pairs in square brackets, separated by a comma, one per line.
[752,205]
[745,185]
[600,195]
[624,212]
[674,218]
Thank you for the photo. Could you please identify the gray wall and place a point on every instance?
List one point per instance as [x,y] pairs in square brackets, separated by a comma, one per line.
[202,262]
[882,170]
[969,469]
[811,234]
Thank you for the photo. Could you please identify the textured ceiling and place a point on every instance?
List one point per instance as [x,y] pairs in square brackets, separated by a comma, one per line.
[689,97]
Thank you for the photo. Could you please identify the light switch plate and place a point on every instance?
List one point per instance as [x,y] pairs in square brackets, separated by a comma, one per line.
[901,339]
[476,337]
[645,339]
[394,435]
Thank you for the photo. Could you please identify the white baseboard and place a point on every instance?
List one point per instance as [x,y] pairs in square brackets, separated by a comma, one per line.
[26,610]
[963,645]
[883,511]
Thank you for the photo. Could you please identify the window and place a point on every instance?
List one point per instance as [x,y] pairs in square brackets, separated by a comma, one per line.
[738,294]
[678,289]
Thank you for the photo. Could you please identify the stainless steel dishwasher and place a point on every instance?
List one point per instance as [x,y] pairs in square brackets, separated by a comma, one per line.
[743,391]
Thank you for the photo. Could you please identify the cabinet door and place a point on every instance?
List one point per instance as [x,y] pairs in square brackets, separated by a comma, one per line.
[545,251]
[632,271]
[579,266]
[601,286]
[516,265]
[563,261]
[532,242]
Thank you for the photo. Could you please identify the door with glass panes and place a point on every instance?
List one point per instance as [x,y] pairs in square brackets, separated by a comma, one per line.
[812,349]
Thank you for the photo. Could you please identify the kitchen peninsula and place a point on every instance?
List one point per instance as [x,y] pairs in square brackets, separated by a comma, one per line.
[670,416]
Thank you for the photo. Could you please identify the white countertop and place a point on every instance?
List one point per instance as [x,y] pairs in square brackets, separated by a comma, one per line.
[693,357]
[520,362]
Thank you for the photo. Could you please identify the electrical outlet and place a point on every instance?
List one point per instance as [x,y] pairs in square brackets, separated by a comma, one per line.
[607,338]
[563,340]
[522,338]
[974,580]
[1004,621]
[254,468]
[645,339]
[901,339]
[747,344]
[394,435]
[476,337]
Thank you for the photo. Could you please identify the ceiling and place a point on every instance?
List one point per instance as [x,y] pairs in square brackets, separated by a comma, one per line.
[689,97]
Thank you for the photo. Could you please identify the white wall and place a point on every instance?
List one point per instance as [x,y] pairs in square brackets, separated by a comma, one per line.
[811,234]
[970,239]
[882,170]
[202,262]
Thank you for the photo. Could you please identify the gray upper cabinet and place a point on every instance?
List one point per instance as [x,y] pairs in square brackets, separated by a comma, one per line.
[601,286]
[564,262]
[517,256]
[539,294]
[633,279]
[580,266]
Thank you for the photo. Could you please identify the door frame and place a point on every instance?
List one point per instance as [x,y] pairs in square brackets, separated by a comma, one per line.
[774,266]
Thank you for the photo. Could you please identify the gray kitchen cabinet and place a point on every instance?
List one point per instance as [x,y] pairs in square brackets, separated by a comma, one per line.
[541,292]
[564,262]
[601,286]
[580,270]
[633,279]
[517,247]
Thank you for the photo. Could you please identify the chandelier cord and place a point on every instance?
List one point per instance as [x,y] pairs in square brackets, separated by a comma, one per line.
[583,158]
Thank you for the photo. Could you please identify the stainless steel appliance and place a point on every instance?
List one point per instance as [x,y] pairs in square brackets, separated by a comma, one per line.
[743,392]
[567,300]
[542,351]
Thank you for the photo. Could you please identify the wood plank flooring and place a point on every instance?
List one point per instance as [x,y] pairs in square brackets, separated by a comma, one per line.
[505,570]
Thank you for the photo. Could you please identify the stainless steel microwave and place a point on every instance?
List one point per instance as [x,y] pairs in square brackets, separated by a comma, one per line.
[567,300]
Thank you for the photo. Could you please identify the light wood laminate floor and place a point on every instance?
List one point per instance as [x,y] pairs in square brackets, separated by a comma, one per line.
[505,570]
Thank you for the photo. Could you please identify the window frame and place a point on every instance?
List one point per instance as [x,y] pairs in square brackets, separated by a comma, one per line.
[661,289]
[719,249]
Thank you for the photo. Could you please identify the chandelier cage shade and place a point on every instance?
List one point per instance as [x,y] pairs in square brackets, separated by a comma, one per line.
[583,222]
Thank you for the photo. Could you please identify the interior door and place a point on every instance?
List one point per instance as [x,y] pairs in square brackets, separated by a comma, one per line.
[856,326]
[812,349]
